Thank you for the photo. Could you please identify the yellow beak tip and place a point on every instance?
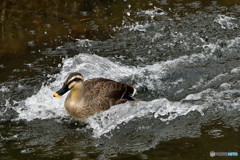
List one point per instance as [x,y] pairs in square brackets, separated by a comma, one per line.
[56,95]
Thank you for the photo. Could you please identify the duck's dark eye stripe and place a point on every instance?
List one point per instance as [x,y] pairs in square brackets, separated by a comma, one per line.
[75,79]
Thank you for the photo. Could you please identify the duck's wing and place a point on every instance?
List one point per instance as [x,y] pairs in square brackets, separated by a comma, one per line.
[119,91]
[107,92]
[92,83]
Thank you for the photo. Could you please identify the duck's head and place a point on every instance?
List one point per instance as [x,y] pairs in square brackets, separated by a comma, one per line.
[73,82]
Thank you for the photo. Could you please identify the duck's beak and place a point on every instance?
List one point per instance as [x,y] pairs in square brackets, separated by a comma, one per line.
[56,95]
[61,92]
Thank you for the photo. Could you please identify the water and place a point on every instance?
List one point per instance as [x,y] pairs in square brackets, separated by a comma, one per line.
[183,59]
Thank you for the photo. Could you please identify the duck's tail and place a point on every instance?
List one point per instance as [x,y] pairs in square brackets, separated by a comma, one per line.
[129,93]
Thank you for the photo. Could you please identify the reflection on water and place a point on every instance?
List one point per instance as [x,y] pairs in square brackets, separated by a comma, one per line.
[32,25]
[182,56]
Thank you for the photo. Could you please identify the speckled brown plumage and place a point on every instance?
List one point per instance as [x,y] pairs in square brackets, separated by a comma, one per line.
[95,95]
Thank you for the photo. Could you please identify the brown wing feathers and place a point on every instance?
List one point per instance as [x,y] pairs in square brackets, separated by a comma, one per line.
[100,87]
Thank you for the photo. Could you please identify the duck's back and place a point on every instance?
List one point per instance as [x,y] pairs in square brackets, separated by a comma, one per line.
[101,93]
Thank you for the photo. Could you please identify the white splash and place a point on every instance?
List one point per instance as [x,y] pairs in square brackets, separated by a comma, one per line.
[44,106]
[152,12]
[226,22]
[236,70]
[163,109]
[4,89]
[41,106]
[137,27]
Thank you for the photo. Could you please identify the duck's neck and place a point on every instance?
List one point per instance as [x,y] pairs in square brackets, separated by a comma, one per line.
[77,95]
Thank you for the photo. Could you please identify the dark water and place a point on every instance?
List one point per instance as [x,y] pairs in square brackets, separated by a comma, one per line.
[182,56]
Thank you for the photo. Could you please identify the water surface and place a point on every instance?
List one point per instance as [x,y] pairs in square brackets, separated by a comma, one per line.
[182,57]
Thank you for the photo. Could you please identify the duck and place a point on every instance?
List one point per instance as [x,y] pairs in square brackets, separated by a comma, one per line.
[93,95]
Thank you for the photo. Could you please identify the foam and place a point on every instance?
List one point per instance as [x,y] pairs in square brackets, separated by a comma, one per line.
[235,70]
[163,109]
[137,27]
[226,22]
[152,12]
[4,89]
[41,106]
[44,106]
